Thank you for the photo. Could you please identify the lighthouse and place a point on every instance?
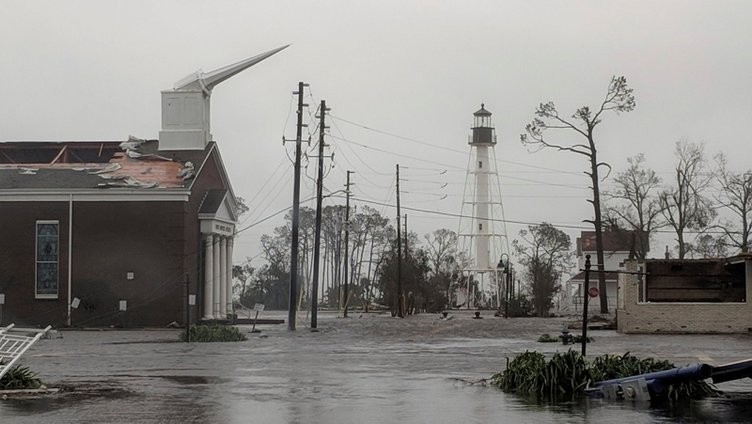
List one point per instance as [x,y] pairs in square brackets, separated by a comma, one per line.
[482,230]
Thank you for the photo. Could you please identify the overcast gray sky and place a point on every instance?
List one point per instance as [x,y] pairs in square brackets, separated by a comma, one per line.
[93,70]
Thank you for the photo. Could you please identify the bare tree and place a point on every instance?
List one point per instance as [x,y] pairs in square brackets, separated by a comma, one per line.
[618,98]
[736,196]
[683,205]
[441,247]
[636,204]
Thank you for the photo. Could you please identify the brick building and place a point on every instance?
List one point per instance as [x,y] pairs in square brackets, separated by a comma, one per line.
[105,222]
[107,233]
[686,296]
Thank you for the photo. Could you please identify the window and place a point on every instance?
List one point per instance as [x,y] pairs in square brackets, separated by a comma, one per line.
[480,227]
[480,164]
[47,253]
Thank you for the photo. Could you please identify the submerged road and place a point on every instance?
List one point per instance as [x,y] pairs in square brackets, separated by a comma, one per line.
[370,368]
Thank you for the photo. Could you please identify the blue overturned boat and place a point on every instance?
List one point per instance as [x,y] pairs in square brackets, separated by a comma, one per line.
[653,385]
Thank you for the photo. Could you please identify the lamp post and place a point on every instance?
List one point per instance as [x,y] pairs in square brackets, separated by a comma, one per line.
[503,265]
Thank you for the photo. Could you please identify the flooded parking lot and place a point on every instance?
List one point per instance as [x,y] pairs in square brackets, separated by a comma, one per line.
[367,369]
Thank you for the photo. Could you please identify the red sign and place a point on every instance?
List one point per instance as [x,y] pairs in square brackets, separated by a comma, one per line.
[593,291]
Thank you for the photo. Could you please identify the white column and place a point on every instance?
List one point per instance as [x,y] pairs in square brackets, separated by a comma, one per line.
[208,278]
[230,242]
[223,278]
[216,281]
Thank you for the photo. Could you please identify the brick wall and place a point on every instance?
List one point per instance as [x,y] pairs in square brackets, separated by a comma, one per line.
[657,317]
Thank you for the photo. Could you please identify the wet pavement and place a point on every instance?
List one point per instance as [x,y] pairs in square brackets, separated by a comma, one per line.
[366,369]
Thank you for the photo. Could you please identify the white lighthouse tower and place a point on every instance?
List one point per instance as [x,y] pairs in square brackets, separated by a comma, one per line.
[482,230]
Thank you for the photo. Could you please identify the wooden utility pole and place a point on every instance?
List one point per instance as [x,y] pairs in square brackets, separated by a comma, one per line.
[187,307]
[293,305]
[406,233]
[400,298]
[407,262]
[585,298]
[317,235]
[347,239]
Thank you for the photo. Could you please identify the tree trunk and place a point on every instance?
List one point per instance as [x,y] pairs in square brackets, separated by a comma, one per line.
[598,227]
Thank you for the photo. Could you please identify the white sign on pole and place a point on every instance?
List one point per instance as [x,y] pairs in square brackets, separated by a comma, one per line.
[192,299]
[75,302]
[2,298]
[258,307]
[123,305]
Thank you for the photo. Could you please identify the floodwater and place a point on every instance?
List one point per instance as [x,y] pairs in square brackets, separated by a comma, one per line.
[366,369]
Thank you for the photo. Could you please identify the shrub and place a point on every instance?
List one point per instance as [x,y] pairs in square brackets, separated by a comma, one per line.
[214,333]
[546,338]
[522,374]
[567,375]
[573,339]
[20,377]
[577,338]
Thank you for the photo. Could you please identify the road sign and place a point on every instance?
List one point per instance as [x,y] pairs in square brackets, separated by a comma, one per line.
[593,292]
[258,307]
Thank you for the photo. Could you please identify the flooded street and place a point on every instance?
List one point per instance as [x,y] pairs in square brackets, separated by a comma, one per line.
[366,369]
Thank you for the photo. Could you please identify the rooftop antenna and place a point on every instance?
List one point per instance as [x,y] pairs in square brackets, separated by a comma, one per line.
[186,108]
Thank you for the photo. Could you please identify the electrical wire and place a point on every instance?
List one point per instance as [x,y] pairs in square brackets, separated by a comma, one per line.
[449,148]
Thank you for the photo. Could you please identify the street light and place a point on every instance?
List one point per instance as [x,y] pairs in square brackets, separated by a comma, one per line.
[503,265]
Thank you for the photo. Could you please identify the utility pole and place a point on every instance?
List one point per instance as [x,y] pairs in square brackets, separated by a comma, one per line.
[317,236]
[585,298]
[407,257]
[400,298]
[347,238]
[406,233]
[508,287]
[187,307]
[293,306]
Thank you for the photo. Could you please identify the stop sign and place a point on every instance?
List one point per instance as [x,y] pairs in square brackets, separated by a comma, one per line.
[593,291]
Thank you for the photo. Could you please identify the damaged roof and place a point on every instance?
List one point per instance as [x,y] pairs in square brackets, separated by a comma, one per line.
[613,241]
[132,164]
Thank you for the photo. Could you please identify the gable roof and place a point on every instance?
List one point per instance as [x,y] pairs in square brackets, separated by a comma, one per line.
[212,201]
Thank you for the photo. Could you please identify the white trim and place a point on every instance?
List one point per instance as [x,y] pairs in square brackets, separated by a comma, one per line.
[70,257]
[222,175]
[92,196]
[210,216]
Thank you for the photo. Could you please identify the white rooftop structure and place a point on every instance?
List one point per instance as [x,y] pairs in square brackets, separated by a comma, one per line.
[186,108]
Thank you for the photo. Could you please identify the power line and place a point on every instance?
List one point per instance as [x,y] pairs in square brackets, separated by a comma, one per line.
[449,148]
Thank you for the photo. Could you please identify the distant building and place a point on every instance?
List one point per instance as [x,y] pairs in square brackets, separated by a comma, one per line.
[686,296]
[618,245]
